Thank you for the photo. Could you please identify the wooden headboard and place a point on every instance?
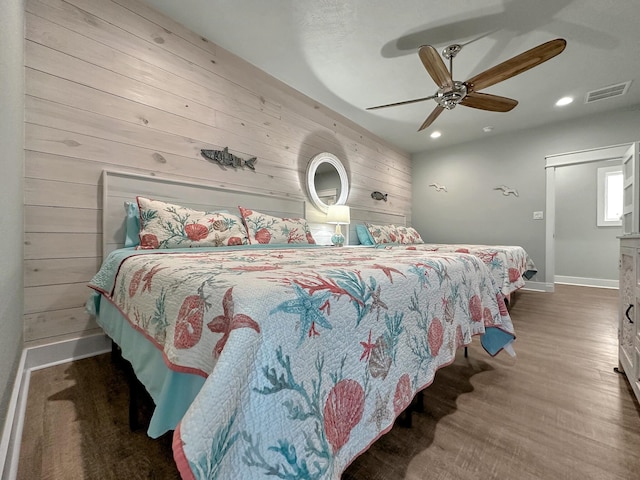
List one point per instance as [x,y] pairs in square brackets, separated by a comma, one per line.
[119,187]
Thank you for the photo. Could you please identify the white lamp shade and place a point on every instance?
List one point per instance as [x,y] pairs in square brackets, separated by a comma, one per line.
[339,214]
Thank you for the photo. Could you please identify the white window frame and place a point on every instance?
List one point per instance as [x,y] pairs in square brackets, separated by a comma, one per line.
[603,173]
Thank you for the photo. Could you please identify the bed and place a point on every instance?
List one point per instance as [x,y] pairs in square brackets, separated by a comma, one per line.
[278,360]
[510,265]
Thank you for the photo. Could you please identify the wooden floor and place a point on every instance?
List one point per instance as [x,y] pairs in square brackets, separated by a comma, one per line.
[556,412]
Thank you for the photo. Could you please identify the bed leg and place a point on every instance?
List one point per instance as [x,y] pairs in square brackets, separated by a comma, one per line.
[419,405]
[138,396]
[466,353]
[405,418]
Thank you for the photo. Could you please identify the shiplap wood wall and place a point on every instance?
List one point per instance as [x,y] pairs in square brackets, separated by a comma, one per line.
[116,84]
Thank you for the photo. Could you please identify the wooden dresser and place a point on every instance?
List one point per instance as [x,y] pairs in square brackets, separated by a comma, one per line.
[629,311]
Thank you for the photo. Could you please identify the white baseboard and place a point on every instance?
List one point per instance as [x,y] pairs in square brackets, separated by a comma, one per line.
[586,282]
[35,358]
[538,286]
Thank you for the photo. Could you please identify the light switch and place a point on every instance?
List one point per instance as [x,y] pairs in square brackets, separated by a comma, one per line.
[538,215]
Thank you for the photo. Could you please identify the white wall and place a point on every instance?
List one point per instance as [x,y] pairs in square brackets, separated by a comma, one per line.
[473,212]
[11,213]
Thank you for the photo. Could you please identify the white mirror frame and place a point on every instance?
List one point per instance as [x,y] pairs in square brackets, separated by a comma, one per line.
[315,162]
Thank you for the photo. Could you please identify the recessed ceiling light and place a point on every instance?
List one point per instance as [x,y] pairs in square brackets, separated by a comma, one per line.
[564,101]
[435,134]
[487,129]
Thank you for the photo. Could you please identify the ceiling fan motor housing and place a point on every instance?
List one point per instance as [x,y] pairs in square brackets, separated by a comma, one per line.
[449,97]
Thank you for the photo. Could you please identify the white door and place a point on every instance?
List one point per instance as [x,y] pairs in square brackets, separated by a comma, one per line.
[631,205]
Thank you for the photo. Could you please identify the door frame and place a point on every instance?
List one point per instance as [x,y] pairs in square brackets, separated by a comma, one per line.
[552,162]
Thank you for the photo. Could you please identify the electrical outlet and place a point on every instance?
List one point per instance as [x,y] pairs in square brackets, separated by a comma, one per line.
[538,215]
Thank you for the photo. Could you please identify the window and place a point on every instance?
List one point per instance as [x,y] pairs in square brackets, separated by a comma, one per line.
[610,186]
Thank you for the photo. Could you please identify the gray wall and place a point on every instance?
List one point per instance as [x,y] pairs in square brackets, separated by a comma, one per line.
[582,248]
[473,212]
[12,165]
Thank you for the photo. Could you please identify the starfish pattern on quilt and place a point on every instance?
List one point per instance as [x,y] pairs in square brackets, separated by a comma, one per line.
[368,347]
[381,412]
[308,307]
[229,321]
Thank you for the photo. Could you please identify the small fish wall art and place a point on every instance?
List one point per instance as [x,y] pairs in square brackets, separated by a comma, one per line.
[226,159]
[438,187]
[379,196]
[507,190]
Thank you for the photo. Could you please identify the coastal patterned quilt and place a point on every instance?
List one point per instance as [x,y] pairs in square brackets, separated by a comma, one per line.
[509,265]
[309,354]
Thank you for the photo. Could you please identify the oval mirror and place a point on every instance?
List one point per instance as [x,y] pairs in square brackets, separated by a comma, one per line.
[327,181]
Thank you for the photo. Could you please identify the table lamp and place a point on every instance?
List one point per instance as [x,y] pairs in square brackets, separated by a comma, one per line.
[340,215]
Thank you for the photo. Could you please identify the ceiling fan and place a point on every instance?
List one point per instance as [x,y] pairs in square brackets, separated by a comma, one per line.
[451,93]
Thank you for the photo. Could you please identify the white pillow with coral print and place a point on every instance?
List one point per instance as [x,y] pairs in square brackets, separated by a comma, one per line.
[407,235]
[267,229]
[165,225]
[383,233]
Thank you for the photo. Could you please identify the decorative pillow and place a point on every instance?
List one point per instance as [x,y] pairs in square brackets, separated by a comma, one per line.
[164,225]
[263,228]
[383,233]
[408,235]
[132,225]
[363,235]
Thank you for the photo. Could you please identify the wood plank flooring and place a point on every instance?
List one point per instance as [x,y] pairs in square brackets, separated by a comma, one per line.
[557,411]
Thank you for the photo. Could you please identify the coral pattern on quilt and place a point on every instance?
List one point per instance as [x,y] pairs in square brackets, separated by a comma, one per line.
[165,225]
[310,353]
[509,265]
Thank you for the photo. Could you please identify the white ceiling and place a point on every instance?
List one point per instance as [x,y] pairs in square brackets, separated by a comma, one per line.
[353,54]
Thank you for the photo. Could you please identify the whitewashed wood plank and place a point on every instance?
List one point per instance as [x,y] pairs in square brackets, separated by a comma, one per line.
[397,200]
[139,26]
[60,194]
[101,32]
[43,112]
[47,219]
[98,76]
[60,270]
[52,88]
[70,147]
[148,104]
[57,324]
[47,166]
[142,119]
[48,34]
[70,119]
[62,245]
[167,23]
[55,297]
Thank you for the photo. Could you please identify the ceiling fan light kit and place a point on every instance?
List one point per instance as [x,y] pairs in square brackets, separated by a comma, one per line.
[451,93]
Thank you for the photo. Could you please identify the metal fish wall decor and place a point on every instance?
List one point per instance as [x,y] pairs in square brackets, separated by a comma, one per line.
[379,196]
[226,159]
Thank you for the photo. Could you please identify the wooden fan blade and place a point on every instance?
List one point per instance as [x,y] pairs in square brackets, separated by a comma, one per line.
[518,64]
[435,66]
[436,112]
[486,101]
[406,102]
